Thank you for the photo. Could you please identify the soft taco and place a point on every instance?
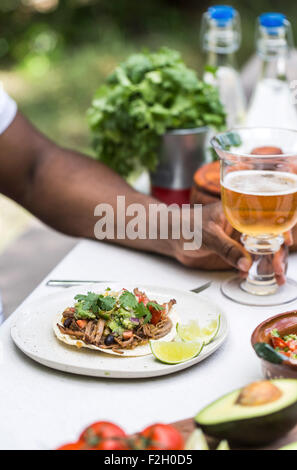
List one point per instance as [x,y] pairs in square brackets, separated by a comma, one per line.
[120,323]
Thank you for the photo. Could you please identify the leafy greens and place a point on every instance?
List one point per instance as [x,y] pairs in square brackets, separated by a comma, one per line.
[147,95]
[88,306]
[92,306]
[128,300]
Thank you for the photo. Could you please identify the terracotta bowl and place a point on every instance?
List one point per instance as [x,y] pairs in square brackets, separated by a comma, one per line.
[206,184]
[275,365]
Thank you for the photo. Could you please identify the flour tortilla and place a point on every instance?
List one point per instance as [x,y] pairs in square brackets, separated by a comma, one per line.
[143,350]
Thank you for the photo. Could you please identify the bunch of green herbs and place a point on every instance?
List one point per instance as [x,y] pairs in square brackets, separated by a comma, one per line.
[146,96]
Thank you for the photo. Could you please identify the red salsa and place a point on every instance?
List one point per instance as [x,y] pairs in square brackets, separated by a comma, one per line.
[286,345]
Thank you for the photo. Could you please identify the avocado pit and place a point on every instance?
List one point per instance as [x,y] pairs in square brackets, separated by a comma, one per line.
[258,393]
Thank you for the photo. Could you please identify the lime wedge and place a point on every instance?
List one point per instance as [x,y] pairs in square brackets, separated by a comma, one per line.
[175,352]
[196,441]
[192,331]
[223,445]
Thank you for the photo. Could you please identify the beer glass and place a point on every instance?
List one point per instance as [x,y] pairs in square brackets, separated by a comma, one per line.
[259,197]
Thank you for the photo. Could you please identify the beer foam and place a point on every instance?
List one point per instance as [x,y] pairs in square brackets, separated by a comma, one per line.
[261,183]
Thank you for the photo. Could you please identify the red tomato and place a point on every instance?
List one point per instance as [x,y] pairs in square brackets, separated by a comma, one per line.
[288,353]
[127,334]
[142,298]
[292,344]
[112,444]
[278,342]
[81,323]
[79,445]
[161,437]
[156,314]
[104,435]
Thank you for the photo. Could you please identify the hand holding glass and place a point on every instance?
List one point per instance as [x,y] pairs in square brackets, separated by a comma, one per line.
[259,197]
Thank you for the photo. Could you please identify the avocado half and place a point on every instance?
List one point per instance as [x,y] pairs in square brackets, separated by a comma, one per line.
[259,424]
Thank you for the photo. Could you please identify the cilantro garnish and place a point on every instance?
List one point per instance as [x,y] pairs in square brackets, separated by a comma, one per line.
[88,302]
[93,305]
[156,306]
[106,303]
[128,300]
[143,311]
[88,306]
[82,313]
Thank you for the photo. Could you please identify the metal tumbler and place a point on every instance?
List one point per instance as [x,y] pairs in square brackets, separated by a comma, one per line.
[182,151]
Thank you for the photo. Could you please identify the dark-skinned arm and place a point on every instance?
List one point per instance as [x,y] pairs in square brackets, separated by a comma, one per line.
[63,187]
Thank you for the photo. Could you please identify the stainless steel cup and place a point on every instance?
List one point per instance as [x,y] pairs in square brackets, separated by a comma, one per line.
[182,151]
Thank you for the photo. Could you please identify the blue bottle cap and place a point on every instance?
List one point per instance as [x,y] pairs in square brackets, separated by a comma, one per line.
[272,20]
[222,14]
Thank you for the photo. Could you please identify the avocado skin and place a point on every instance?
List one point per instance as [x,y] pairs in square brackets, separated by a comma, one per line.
[255,431]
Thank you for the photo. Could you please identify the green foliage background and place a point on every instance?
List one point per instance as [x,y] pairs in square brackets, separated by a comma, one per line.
[55,53]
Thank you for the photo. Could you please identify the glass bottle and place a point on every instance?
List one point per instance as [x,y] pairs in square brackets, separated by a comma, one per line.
[221,38]
[272,103]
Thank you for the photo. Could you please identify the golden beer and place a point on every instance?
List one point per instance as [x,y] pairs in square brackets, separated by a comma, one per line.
[260,202]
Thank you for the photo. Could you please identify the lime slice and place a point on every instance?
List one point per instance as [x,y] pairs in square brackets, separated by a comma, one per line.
[193,332]
[196,441]
[175,352]
[223,445]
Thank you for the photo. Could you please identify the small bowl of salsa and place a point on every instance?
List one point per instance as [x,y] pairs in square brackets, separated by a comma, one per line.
[275,343]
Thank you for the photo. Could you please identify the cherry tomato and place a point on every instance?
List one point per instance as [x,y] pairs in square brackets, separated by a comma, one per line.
[104,435]
[161,437]
[114,443]
[79,445]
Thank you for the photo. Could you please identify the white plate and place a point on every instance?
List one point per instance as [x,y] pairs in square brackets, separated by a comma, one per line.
[32,332]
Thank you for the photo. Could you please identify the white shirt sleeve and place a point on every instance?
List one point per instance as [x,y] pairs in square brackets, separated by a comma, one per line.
[8,110]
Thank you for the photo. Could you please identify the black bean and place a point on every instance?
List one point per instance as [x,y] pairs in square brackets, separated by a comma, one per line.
[109,340]
[67,322]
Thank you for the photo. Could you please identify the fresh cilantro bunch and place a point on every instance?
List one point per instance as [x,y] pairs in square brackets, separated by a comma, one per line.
[147,95]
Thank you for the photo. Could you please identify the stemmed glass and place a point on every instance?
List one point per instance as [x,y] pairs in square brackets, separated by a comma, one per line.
[259,197]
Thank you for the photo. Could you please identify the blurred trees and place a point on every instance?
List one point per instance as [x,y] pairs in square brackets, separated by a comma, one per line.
[49,25]
[55,53]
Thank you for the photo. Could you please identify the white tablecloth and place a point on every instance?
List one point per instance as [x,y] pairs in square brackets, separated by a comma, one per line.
[42,408]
